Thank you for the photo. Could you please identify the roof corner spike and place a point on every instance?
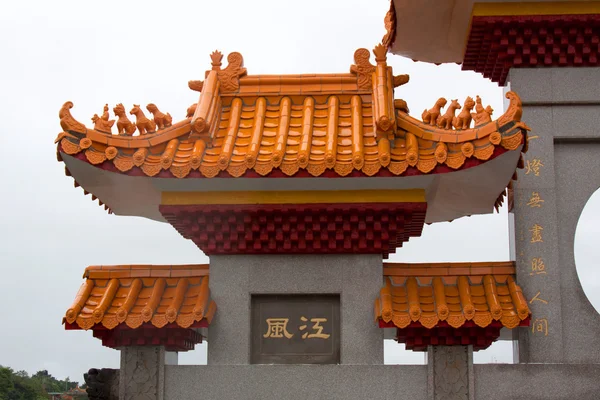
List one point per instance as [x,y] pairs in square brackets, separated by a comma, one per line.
[67,122]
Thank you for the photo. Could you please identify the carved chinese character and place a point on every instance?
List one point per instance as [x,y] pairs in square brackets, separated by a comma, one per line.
[537,266]
[316,327]
[540,326]
[277,328]
[536,233]
[535,200]
[533,166]
[538,298]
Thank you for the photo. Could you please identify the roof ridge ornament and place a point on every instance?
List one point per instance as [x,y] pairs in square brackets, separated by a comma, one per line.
[230,76]
[363,68]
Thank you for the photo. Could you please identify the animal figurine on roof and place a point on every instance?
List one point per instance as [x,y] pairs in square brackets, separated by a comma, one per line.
[191,110]
[463,120]
[483,116]
[144,125]
[103,124]
[161,119]
[445,121]
[124,126]
[431,116]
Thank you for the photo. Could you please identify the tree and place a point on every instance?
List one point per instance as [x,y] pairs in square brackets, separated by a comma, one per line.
[6,382]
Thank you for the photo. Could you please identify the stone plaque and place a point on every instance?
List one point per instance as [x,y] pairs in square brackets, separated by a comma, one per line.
[295,329]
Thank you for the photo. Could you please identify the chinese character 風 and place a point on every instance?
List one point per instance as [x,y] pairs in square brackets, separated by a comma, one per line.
[277,328]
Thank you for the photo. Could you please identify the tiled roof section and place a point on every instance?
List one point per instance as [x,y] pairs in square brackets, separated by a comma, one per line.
[321,124]
[451,292]
[498,43]
[138,294]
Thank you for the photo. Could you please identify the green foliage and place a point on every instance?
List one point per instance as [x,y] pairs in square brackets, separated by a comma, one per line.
[20,386]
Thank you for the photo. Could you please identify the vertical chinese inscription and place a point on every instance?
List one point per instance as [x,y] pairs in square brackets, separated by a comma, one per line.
[295,329]
[533,167]
[540,325]
[537,266]
[536,233]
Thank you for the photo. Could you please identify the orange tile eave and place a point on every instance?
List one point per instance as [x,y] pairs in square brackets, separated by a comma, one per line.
[134,295]
[288,124]
[180,151]
[453,292]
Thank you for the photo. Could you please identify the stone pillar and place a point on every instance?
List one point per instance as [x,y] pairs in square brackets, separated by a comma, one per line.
[450,371]
[356,278]
[561,105]
[142,373]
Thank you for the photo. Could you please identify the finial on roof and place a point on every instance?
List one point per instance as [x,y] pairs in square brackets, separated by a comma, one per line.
[216,57]
[380,52]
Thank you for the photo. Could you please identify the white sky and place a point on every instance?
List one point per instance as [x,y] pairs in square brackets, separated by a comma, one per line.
[142,52]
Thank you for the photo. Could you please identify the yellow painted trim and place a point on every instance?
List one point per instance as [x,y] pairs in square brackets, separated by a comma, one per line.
[535,8]
[295,197]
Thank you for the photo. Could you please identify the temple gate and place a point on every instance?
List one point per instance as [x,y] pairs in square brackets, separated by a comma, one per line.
[297,187]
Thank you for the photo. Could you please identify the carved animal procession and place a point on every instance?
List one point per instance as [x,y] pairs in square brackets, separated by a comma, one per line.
[448,120]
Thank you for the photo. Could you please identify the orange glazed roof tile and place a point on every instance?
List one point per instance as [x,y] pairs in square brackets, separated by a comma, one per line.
[451,292]
[138,294]
[318,123]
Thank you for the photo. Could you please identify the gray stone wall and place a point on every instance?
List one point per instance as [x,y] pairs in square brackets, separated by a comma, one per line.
[561,106]
[537,382]
[233,279]
[296,382]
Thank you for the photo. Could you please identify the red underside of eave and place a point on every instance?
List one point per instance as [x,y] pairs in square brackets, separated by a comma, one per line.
[375,228]
[416,337]
[171,336]
[497,44]
[302,173]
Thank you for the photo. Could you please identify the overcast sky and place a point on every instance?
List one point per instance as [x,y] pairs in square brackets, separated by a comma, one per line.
[142,52]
